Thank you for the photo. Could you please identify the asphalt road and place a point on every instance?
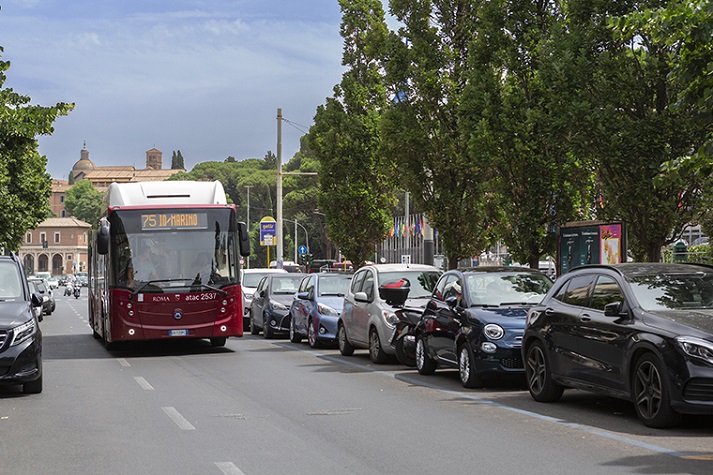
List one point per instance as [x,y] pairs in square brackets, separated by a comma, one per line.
[272,407]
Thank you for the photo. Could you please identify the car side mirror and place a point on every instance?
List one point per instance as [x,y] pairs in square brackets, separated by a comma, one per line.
[614,309]
[361,297]
[303,295]
[452,301]
[36,300]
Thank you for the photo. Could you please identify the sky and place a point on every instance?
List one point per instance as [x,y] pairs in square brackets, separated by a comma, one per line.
[205,77]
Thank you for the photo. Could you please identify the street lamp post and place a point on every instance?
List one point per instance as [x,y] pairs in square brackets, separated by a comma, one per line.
[247,259]
[303,229]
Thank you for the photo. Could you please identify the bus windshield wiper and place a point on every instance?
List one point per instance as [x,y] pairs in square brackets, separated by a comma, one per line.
[150,282]
[209,287]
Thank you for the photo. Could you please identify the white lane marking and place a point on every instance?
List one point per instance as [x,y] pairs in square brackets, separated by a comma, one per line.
[180,421]
[228,468]
[123,362]
[143,383]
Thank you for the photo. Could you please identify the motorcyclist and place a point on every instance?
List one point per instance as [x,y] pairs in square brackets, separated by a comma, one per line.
[68,289]
[77,291]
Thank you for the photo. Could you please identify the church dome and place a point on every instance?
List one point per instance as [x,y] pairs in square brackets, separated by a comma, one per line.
[84,164]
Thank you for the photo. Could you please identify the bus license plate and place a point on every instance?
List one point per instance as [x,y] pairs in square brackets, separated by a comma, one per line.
[178,333]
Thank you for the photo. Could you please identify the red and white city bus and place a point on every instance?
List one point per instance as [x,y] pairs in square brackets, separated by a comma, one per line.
[164,262]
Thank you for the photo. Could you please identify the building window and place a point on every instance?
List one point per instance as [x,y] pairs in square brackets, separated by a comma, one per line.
[28,238]
[61,199]
[69,257]
[64,214]
[56,238]
[43,238]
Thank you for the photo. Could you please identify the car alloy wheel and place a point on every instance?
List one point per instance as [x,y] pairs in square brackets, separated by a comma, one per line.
[539,380]
[651,394]
[294,337]
[345,348]
[466,367]
[312,334]
[376,352]
[424,363]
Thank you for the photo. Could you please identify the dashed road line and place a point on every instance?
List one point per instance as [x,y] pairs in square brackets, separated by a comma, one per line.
[177,418]
[229,468]
[143,383]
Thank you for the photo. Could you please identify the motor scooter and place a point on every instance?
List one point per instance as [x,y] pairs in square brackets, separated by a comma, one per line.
[68,290]
[77,291]
[402,339]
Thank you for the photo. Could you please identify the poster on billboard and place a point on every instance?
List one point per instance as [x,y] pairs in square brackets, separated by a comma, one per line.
[590,242]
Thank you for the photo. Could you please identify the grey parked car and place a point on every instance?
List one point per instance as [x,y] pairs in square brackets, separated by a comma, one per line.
[367,321]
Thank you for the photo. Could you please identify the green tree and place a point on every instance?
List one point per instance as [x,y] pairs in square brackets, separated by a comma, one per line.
[516,108]
[689,26]
[84,202]
[177,161]
[354,190]
[424,129]
[632,126]
[25,184]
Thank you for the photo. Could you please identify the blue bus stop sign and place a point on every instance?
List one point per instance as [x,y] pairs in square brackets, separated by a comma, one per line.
[302,249]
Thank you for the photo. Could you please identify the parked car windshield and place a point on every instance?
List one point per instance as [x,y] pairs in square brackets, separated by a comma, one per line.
[334,285]
[489,288]
[666,292]
[422,283]
[285,284]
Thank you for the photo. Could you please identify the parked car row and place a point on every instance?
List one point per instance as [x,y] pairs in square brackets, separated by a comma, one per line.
[639,332]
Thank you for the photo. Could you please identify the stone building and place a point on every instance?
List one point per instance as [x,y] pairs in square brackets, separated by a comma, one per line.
[57,245]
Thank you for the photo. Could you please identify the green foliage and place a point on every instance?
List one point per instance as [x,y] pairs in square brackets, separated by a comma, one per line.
[84,202]
[633,127]
[354,190]
[24,183]
[517,114]
[177,161]
[425,130]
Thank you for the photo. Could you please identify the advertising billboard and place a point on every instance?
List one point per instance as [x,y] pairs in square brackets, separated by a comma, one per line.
[590,242]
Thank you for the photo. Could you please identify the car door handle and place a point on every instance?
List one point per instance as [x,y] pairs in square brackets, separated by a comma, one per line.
[585,318]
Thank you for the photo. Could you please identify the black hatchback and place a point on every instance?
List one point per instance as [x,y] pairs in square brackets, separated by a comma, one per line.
[475,319]
[20,336]
[637,331]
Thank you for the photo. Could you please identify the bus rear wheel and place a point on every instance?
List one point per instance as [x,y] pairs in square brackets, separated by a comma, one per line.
[217,342]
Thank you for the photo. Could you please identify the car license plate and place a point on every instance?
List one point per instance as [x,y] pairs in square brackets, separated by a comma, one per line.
[178,333]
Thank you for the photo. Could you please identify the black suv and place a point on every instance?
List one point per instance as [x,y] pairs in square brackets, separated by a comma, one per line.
[20,336]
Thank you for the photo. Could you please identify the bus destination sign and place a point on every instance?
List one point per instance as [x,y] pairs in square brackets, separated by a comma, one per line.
[169,221]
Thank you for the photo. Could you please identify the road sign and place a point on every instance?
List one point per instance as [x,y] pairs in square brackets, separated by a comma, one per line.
[302,249]
[268,231]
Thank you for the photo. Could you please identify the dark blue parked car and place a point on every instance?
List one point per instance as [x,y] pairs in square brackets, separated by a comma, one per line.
[316,307]
[475,320]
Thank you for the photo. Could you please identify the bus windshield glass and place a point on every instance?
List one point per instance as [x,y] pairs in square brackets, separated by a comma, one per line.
[176,250]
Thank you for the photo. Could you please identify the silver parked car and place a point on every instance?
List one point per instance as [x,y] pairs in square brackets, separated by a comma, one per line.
[367,321]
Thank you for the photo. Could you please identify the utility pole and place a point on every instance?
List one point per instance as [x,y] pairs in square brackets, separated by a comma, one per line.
[278,231]
[247,259]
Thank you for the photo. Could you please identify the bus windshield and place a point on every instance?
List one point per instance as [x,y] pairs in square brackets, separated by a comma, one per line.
[183,250]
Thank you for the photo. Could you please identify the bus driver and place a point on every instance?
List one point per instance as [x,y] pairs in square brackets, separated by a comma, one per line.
[142,268]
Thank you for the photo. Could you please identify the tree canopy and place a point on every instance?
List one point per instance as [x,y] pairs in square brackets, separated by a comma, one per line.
[84,202]
[25,185]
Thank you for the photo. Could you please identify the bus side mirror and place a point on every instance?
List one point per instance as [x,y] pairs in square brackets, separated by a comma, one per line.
[244,239]
[103,238]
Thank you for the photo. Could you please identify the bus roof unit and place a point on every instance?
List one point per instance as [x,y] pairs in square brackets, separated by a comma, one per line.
[165,193]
